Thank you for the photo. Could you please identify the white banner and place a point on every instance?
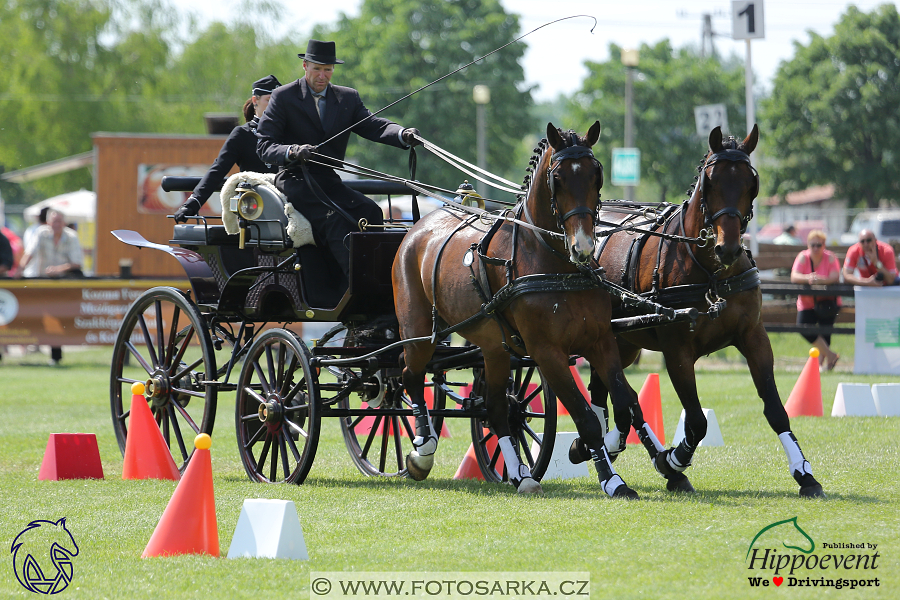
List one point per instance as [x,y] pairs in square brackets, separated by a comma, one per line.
[877,330]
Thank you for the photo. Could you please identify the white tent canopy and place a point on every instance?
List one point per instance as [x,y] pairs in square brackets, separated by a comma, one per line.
[77,207]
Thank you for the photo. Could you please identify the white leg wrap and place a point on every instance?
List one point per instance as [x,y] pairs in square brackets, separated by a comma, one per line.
[612,484]
[673,462]
[797,462]
[659,447]
[426,446]
[614,441]
[514,466]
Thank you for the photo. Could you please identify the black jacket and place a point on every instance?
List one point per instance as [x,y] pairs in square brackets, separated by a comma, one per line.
[240,150]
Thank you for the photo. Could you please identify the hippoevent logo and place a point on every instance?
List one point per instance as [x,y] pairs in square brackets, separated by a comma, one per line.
[42,556]
[782,553]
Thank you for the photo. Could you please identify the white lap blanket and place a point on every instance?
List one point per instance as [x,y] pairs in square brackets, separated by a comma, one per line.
[298,228]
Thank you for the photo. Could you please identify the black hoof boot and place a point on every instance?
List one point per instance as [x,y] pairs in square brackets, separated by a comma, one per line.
[579,452]
[809,487]
[679,483]
[662,465]
[625,493]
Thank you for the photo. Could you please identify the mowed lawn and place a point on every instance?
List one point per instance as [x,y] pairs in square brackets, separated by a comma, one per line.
[664,546]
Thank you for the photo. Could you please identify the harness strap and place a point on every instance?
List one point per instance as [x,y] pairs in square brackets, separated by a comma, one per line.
[323,197]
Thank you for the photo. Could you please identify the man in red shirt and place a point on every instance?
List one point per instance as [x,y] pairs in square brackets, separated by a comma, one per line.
[873,259]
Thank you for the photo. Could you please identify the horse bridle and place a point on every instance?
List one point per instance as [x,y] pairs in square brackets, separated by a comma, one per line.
[572,152]
[731,156]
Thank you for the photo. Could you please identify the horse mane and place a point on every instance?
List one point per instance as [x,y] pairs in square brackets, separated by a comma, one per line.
[570,138]
[728,143]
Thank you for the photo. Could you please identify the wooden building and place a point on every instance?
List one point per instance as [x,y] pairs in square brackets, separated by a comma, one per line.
[127,170]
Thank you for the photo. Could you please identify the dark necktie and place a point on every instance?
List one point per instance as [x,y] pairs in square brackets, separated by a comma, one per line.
[320,106]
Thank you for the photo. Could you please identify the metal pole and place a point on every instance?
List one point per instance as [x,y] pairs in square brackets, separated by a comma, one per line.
[629,121]
[480,186]
[751,121]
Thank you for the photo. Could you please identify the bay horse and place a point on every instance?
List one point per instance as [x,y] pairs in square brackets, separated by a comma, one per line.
[450,265]
[721,280]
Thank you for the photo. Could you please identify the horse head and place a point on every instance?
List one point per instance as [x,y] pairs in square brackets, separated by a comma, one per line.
[728,184]
[38,546]
[566,196]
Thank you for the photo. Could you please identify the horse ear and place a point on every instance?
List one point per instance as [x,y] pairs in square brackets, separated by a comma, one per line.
[593,134]
[715,139]
[749,143]
[553,136]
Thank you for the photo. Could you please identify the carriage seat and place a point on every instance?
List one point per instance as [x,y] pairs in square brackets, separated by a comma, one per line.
[279,227]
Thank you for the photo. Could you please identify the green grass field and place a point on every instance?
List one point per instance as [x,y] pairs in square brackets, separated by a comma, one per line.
[663,546]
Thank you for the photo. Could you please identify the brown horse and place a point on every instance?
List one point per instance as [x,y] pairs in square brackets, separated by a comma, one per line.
[450,264]
[717,278]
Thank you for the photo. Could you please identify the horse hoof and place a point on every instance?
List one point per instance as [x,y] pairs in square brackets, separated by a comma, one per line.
[419,466]
[680,484]
[529,486]
[625,493]
[812,491]
[578,452]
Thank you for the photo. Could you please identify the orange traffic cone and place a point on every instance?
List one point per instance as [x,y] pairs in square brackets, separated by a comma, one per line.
[806,397]
[468,468]
[651,406]
[188,525]
[146,453]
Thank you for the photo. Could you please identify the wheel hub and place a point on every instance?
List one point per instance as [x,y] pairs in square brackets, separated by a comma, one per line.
[271,412]
[157,389]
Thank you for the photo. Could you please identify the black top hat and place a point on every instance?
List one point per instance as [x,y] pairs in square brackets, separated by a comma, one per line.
[265,86]
[321,53]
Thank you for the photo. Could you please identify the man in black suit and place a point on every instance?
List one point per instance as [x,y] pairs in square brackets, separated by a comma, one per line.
[300,117]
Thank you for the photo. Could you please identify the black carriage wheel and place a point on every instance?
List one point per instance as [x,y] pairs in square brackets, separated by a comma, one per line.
[533,429]
[277,412]
[378,443]
[164,342]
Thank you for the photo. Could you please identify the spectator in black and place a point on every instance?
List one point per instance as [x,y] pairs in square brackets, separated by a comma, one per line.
[239,149]
[6,255]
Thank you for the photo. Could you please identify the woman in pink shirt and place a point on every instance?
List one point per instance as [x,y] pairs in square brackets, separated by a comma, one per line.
[817,266]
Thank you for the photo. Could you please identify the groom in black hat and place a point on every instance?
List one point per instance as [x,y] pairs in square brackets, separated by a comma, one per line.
[300,117]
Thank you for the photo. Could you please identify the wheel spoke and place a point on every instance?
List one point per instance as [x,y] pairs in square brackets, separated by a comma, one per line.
[149,342]
[292,446]
[297,428]
[292,367]
[372,433]
[183,348]
[284,456]
[173,332]
[386,431]
[264,384]
[187,417]
[264,453]
[273,461]
[177,430]
[251,392]
[523,442]
[193,393]
[255,437]
[522,390]
[160,333]
[137,355]
[187,369]
[270,364]
[398,450]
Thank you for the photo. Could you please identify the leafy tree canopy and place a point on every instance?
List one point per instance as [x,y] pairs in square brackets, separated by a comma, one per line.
[668,85]
[833,114]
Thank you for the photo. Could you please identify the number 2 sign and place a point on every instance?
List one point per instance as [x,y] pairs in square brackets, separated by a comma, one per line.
[747,20]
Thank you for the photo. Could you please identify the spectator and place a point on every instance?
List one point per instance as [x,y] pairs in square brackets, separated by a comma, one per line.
[56,249]
[788,237]
[873,260]
[6,256]
[818,266]
[28,238]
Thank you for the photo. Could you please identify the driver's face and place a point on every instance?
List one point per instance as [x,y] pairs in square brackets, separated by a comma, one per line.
[318,76]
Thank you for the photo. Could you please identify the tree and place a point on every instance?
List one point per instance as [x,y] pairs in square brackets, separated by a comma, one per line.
[396,46]
[669,85]
[833,113]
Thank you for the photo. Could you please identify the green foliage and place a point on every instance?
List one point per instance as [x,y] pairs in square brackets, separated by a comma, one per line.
[668,85]
[832,116]
[397,46]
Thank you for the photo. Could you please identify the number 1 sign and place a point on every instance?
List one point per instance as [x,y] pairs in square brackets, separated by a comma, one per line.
[747,20]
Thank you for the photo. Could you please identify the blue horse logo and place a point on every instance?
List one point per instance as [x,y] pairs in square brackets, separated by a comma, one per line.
[38,546]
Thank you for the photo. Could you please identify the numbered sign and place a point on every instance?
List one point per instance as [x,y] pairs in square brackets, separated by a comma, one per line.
[708,116]
[747,20]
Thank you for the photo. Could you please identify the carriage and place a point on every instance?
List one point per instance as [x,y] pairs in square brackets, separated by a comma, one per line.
[221,336]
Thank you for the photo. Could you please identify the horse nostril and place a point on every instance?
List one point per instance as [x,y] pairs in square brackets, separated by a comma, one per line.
[720,250]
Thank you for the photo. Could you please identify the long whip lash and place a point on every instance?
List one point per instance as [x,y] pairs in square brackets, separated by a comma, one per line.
[457,71]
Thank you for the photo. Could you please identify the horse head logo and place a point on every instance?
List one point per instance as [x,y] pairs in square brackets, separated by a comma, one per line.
[36,548]
[788,530]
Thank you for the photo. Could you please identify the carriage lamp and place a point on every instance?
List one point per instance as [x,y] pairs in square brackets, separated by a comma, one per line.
[248,205]
[467,196]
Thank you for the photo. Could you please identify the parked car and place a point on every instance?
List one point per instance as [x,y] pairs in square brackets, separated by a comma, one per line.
[884,224]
